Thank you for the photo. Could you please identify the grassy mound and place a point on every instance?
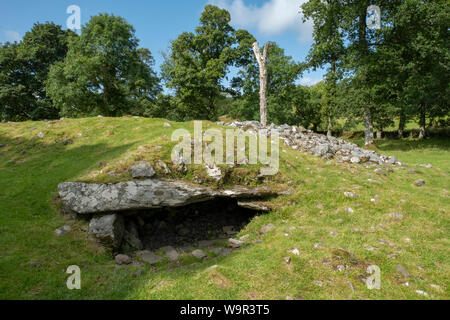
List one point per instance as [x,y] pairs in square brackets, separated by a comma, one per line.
[335,244]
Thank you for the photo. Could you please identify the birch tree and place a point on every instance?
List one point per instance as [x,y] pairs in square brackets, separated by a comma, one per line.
[261,58]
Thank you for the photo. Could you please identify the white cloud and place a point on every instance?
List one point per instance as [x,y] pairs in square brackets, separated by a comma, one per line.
[12,36]
[308,81]
[272,18]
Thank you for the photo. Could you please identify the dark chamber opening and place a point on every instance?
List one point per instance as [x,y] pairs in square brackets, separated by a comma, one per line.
[187,226]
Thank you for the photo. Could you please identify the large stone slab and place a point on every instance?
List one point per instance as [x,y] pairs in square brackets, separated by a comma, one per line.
[89,198]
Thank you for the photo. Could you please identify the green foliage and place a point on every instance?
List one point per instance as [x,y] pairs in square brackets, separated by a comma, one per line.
[284,97]
[104,72]
[24,68]
[198,62]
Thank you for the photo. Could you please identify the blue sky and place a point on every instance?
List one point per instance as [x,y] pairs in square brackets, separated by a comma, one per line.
[159,22]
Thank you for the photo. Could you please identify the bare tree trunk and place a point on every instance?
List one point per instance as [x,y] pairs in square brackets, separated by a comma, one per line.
[422,122]
[368,127]
[261,58]
[330,126]
[379,132]
[401,124]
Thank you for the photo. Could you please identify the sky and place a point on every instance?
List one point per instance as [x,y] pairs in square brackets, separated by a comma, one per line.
[159,22]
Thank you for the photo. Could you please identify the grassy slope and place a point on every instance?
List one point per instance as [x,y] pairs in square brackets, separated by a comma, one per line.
[33,260]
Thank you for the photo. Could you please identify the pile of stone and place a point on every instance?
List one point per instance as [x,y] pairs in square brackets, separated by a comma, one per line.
[319,145]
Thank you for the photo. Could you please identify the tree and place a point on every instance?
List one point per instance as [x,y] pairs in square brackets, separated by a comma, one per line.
[104,72]
[24,68]
[283,96]
[327,48]
[198,63]
[261,58]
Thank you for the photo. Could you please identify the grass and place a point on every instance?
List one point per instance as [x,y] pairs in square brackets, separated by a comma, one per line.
[33,260]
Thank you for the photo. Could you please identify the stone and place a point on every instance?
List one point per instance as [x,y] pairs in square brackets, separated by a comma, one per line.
[142,170]
[436,287]
[369,248]
[171,253]
[401,269]
[89,198]
[318,245]
[229,230]
[163,166]
[419,183]
[355,160]
[253,206]
[295,251]
[349,194]
[428,166]
[267,228]
[122,259]
[167,125]
[244,237]
[214,172]
[380,171]
[374,181]
[421,292]
[234,243]
[149,256]
[108,230]
[62,230]
[40,135]
[318,283]
[199,254]
[287,260]
[396,216]
[319,206]
[349,210]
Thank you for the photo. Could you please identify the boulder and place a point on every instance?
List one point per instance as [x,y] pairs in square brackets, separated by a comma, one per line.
[142,170]
[89,198]
[108,230]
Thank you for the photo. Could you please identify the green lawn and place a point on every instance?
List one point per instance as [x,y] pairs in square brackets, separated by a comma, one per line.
[33,260]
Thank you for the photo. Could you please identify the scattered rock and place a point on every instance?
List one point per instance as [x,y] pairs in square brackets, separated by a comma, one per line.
[234,243]
[122,259]
[436,287]
[369,248]
[40,135]
[349,194]
[401,269]
[199,254]
[412,171]
[374,181]
[423,293]
[349,210]
[318,245]
[428,166]
[295,251]
[351,287]
[171,253]
[214,171]
[149,256]
[161,164]
[142,170]
[287,260]
[419,183]
[267,228]
[318,283]
[253,206]
[319,206]
[396,216]
[167,125]
[62,230]
[244,237]
[355,160]
[380,171]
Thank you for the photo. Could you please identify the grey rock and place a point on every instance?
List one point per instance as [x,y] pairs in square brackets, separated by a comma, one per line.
[318,283]
[142,170]
[267,228]
[253,206]
[88,198]
[419,183]
[214,171]
[396,215]
[122,259]
[163,166]
[108,230]
[167,125]
[199,254]
[149,256]
[62,230]
[355,159]
[287,260]
[401,269]
[171,253]
[380,171]
[234,243]
[374,181]
[349,194]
